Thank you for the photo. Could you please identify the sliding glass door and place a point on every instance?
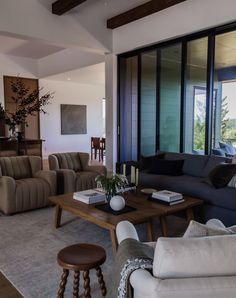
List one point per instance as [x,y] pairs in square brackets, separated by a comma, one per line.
[128,109]
[148,103]
[170,98]
[224,129]
[196,96]
[178,96]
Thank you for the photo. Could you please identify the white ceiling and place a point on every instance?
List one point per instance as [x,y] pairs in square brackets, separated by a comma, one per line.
[26,48]
[94,75]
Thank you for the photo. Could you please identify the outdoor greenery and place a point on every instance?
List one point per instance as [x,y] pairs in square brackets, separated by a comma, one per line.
[26,103]
[228,126]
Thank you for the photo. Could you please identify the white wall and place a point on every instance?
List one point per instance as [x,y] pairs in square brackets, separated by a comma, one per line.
[70,93]
[182,19]
[13,66]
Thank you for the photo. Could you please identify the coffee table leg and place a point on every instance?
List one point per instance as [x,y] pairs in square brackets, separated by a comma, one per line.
[58,212]
[114,242]
[150,231]
[163,226]
[189,214]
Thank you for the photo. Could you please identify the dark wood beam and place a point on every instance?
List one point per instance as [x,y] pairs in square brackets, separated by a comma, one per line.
[62,6]
[140,11]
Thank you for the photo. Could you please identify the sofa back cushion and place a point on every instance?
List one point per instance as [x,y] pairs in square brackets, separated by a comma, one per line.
[70,160]
[193,164]
[195,257]
[17,167]
[212,162]
[167,167]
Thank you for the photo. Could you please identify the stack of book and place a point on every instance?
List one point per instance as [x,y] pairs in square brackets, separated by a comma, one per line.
[89,196]
[167,197]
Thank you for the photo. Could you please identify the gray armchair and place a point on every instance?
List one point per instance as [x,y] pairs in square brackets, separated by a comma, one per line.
[74,172]
[24,185]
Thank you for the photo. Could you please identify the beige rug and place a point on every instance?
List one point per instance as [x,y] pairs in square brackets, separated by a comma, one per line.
[29,245]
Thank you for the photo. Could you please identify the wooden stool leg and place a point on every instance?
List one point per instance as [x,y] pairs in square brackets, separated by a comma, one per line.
[62,285]
[86,284]
[101,281]
[76,285]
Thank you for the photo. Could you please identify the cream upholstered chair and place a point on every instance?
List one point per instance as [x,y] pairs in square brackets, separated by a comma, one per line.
[73,171]
[23,184]
[185,267]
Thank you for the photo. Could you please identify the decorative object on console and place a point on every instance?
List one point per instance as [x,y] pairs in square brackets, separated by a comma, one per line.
[26,103]
[111,185]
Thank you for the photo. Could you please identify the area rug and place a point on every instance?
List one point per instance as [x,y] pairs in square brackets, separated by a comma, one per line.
[29,244]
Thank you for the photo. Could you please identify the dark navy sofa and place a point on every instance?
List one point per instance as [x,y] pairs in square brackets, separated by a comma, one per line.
[218,203]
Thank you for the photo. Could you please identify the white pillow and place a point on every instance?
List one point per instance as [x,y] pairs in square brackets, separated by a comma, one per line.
[234,159]
[195,257]
[196,229]
[232,182]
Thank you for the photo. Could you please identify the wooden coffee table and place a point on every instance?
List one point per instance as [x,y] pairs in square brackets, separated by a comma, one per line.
[145,211]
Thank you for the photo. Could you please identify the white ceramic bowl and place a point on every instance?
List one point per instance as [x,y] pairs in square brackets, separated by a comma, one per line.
[117,203]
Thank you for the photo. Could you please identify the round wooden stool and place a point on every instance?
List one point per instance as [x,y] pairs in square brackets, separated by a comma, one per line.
[81,257]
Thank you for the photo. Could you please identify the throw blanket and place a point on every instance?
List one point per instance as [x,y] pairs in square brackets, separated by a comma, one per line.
[131,255]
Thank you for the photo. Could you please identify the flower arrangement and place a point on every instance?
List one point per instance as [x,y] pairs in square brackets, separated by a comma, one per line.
[26,103]
[111,184]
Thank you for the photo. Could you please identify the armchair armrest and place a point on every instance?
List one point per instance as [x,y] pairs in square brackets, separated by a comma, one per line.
[50,177]
[7,198]
[84,159]
[65,181]
[144,283]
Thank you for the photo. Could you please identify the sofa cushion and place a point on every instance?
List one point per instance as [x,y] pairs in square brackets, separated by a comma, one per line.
[146,161]
[17,167]
[232,182]
[70,160]
[212,162]
[218,152]
[196,229]
[221,175]
[167,167]
[190,257]
[193,164]
[228,148]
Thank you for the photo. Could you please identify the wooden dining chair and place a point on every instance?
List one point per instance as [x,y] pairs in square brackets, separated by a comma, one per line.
[95,147]
[102,148]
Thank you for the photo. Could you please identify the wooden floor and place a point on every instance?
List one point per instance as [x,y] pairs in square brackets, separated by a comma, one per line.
[7,290]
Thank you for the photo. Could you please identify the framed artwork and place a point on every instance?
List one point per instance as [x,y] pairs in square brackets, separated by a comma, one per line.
[73,119]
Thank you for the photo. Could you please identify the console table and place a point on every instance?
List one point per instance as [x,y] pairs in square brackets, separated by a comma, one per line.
[23,147]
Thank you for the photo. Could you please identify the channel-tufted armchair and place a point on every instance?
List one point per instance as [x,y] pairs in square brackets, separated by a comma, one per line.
[73,171]
[24,185]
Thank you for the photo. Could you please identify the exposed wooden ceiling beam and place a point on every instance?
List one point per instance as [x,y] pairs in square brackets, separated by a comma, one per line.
[62,6]
[140,11]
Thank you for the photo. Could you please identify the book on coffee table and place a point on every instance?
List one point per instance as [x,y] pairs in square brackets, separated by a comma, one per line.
[167,195]
[89,196]
[165,202]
